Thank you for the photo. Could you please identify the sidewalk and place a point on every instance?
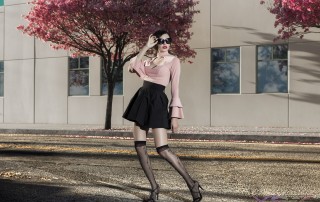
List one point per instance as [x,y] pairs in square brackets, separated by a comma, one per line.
[259,134]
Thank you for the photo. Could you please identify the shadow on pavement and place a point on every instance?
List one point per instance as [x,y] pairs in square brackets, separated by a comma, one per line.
[13,191]
[97,155]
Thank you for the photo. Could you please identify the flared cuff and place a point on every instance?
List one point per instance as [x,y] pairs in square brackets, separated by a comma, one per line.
[176,102]
[138,66]
[176,112]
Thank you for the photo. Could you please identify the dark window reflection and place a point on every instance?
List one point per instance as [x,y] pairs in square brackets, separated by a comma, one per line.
[225,74]
[233,54]
[280,52]
[264,53]
[73,63]
[272,71]
[1,66]
[84,63]
[79,76]
[218,55]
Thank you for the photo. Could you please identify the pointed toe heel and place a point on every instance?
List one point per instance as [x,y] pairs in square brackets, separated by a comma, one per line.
[195,192]
[154,195]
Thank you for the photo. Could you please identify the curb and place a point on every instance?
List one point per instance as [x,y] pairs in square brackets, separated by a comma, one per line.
[279,138]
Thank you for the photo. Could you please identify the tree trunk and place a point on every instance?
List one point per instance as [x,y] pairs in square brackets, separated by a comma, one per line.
[107,124]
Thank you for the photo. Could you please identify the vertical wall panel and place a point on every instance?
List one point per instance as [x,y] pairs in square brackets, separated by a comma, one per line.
[201,26]
[1,54]
[248,69]
[304,85]
[1,109]
[94,76]
[19,91]
[1,36]
[195,89]
[51,95]
[17,45]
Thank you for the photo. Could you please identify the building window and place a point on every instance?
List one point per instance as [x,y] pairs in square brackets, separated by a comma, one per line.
[1,78]
[79,76]
[272,69]
[118,89]
[225,74]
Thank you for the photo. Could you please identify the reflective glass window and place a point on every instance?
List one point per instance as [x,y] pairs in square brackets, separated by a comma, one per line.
[79,76]
[272,69]
[225,73]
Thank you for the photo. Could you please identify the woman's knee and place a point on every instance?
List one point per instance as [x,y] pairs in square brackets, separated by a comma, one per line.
[140,146]
[162,150]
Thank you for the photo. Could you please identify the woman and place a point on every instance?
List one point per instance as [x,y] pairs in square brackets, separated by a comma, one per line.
[149,109]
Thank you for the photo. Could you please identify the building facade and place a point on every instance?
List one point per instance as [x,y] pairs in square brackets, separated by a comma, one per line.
[239,77]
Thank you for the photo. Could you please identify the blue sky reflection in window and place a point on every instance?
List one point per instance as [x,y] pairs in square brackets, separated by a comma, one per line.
[225,74]
[272,69]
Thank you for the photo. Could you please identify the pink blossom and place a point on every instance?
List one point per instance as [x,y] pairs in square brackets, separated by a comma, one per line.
[295,17]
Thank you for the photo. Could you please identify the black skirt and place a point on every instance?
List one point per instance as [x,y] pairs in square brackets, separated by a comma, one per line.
[148,108]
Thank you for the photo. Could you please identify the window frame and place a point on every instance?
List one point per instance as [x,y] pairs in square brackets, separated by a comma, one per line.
[78,69]
[272,59]
[225,62]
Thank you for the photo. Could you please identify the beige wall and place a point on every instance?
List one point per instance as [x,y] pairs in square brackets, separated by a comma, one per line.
[36,77]
[1,54]
[17,46]
[43,50]
[240,22]
[201,28]
[250,110]
[92,110]
[14,2]
[51,79]
[19,91]
[1,36]
[304,84]
[1,109]
[195,90]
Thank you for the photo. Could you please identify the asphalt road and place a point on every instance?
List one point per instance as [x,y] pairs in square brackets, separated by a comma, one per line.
[69,168]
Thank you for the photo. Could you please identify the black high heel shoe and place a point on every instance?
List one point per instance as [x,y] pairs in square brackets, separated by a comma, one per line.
[154,195]
[195,192]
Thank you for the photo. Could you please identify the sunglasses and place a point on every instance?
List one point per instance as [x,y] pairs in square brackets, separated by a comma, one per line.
[167,40]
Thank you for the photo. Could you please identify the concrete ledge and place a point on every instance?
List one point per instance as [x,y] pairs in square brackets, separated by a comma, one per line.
[281,138]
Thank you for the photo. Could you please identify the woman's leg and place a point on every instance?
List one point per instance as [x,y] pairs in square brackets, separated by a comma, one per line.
[140,137]
[161,142]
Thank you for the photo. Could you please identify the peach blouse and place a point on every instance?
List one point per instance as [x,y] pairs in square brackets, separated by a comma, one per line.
[168,70]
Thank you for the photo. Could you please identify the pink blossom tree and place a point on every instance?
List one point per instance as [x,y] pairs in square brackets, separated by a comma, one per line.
[111,29]
[295,17]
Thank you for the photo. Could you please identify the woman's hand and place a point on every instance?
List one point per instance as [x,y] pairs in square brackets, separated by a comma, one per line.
[152,41]
[174,125]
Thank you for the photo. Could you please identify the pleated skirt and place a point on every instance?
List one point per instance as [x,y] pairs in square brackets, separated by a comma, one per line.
[148,108]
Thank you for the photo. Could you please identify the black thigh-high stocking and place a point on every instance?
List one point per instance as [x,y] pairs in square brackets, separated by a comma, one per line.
[165,152]
[141,149]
